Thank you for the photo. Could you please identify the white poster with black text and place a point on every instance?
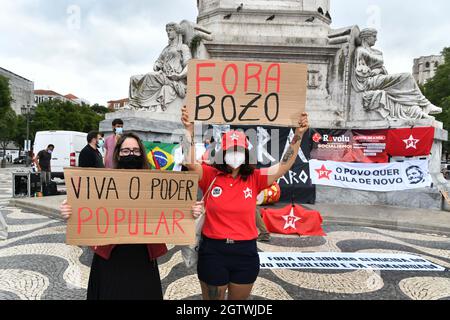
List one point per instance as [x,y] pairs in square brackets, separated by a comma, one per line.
[396,176]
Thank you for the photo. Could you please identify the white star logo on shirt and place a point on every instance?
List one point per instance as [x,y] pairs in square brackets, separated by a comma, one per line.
[234,137]
[248,193]
[291,220]
[411,143]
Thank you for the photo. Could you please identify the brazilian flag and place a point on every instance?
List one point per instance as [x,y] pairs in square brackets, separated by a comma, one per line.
[162,153]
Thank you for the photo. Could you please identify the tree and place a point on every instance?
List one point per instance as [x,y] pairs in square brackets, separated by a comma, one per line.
[437,90]
[8,119]
[5,95]
[20,133]
[66,116]
[102,110]
[8,125]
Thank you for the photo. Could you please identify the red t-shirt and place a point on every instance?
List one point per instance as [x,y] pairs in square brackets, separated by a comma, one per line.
[231,204]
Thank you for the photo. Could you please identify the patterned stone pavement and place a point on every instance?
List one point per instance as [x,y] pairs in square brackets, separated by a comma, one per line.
[36,264]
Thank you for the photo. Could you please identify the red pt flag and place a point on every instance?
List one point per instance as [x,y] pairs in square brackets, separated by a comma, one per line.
[415,142]
[293,220]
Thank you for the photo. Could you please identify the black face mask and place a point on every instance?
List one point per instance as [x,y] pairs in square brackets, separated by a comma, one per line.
[130,162]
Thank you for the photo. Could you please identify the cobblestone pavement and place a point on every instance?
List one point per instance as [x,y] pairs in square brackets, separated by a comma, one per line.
[36,264]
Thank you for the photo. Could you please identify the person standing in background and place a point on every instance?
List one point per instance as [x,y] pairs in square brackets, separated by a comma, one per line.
[101,146]
[110,142]
[90,156]
[43,161]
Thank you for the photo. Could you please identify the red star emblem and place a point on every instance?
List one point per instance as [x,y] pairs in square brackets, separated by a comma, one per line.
[324,173]
[411,143]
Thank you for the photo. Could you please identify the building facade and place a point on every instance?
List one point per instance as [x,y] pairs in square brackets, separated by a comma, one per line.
[22,90]
[425,68]
[41,96]
[116,105]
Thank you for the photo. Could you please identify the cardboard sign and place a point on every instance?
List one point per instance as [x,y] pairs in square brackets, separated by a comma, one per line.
[130,207]
[246,93]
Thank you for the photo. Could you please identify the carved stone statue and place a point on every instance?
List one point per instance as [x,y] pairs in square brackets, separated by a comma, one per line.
[395,96]
[167,83]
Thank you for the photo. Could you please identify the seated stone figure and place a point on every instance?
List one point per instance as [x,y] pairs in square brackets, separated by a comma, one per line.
[395,96]
[169,79]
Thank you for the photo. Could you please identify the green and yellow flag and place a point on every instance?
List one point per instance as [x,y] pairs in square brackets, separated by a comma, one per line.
[162,153]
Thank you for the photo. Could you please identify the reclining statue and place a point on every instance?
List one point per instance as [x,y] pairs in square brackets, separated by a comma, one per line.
[395,96]
[168,80]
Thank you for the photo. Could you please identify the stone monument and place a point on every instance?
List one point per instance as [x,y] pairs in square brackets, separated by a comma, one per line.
[348,84]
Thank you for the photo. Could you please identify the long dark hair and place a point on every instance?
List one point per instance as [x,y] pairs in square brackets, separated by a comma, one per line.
[245,171]
[143,157]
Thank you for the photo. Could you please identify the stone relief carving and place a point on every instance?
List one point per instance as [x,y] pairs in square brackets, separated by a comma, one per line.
[314,79]
[393,96]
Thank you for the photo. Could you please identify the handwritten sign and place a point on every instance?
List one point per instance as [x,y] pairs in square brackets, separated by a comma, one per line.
[130,207]
[246,93]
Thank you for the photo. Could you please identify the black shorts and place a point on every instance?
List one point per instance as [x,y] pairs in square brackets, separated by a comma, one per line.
[220,264]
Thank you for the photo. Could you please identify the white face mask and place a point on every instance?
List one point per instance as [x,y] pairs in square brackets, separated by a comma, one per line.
[235,159]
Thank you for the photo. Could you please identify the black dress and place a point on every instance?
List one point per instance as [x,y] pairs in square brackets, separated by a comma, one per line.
[128,275]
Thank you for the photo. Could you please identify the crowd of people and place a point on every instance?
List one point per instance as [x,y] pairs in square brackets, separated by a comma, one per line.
[228,263]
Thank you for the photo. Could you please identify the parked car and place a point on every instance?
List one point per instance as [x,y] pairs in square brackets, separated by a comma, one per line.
[68,146]
[19,160]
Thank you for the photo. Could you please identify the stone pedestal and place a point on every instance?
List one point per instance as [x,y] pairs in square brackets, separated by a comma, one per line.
[149,126]
[298,33]
[429,198]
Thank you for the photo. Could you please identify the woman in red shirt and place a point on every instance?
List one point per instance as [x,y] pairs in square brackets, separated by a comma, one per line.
[228,254]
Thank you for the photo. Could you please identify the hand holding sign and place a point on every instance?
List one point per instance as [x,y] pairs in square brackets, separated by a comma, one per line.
[185,120]
[303,124]
[66,210]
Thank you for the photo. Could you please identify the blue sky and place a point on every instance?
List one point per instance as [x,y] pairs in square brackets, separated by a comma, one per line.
[94,56]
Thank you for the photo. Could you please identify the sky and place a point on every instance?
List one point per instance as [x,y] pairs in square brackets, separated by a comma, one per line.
[91,47]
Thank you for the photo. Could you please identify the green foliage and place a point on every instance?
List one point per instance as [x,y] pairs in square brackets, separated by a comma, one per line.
[5,95]
[8,126]
[437,90]
[102,110]
[20,133]
[8,119]
[51,115]
[66,116]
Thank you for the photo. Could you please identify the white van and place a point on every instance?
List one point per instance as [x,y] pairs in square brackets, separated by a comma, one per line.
[68,146]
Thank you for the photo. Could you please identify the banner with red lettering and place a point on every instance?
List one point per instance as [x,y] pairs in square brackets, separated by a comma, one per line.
[410,142]
[363,146]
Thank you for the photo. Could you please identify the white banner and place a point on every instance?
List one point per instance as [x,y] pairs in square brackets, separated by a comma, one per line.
[346,261]
[384,177]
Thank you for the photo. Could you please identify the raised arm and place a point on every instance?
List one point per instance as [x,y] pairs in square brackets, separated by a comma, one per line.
[279,170]
[189,160]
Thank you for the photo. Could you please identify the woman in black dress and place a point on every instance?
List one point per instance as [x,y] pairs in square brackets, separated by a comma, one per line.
[125,272]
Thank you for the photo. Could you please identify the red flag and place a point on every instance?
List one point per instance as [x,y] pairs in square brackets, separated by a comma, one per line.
[293,220]
[409,142]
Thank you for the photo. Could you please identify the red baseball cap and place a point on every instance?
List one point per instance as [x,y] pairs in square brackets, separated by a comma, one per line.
[234,139]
